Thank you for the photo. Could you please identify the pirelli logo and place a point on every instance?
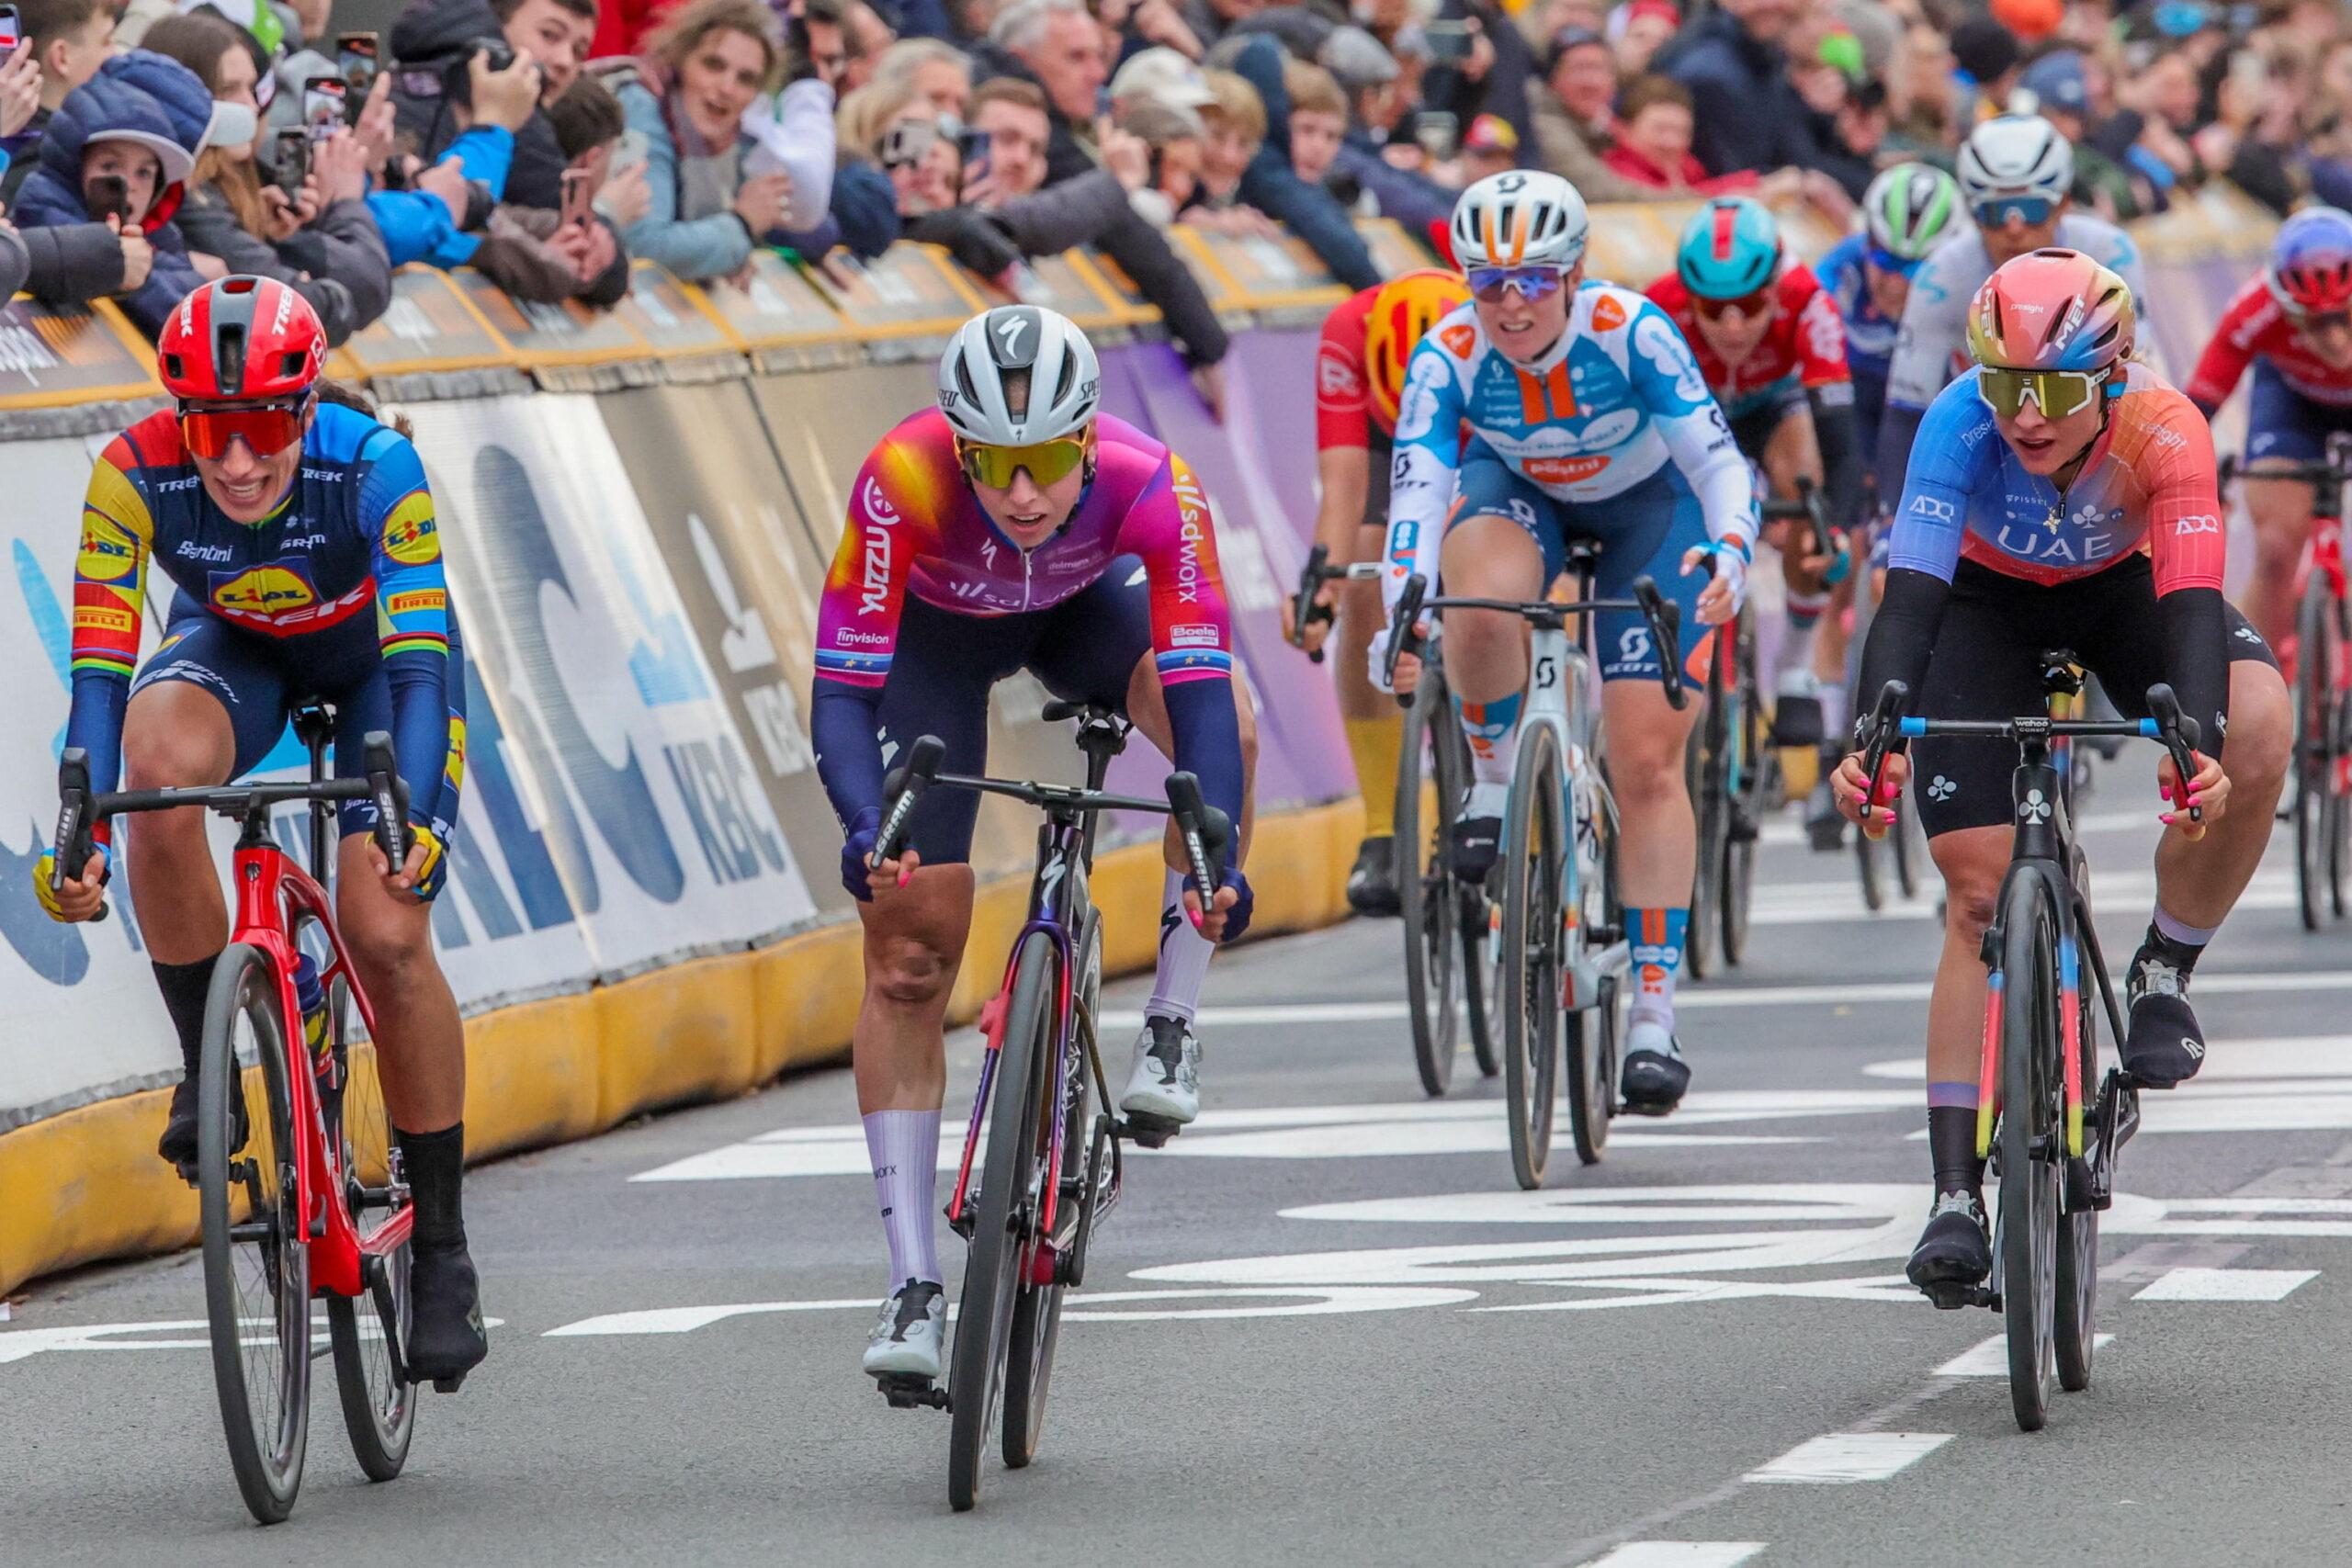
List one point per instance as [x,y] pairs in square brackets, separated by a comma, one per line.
[417,601]
[98,617]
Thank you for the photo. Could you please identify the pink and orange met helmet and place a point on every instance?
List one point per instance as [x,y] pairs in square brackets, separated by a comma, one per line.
[2051,309]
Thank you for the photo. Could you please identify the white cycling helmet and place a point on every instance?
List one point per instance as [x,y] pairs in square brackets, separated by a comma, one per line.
[2018,154]
[1065,380]
[1519,218]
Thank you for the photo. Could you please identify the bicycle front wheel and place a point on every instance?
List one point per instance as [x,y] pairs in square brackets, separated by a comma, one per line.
[1910,848]
[1001,1234]
[1037,1308]
[1426,895]
[2077,1281]
[2315,730]
[378,1407]
[1534,847]
[2030,1145]
[256,1260]
[1744,789]
[1592,1031]
[1705,767]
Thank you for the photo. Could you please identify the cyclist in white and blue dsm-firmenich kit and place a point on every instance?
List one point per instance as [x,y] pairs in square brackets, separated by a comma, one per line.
[2017,177]
[1587,416]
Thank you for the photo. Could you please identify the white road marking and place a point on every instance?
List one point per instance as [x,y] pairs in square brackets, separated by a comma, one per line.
[1991,1359]
[2226,1285]
[1084,1307]
[1679,1554]
[1314,1132]
[1712,997]
[1843,1458]
[187,1334]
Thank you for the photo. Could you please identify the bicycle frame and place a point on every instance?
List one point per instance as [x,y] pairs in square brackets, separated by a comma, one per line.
[1563,696]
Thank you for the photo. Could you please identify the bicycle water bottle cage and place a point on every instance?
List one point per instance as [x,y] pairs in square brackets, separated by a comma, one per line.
[2062,672]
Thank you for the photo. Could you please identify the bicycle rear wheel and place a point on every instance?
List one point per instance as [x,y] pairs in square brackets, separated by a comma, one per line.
[2339,733]
[2315,796]
[378,1407]
[1037,1308]
[2076,1278]
[256,1261]
[1000,1234]
[1593,1031]
[1744,790]
[1426,894]
[1866,865]
[2030,1135]
[1534,843]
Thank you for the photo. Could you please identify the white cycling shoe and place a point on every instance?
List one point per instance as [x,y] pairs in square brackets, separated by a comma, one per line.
[907,1335]
[1166,1082]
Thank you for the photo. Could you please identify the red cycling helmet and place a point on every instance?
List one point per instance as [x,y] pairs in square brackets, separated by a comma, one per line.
[241,339]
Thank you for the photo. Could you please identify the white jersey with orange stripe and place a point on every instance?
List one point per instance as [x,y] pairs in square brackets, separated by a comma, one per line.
[1618,397]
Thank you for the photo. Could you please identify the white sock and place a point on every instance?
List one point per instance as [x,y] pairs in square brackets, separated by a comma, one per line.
[1184,956]
[1833,712]
[904,1146]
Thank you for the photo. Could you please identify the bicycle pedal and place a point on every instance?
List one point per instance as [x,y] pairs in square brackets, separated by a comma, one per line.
[1951,1295]
[1151,1132]
[188,1172]
[448,1385]
[910,1390]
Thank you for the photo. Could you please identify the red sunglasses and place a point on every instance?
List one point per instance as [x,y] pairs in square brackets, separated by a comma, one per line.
[1749,305]
[267,429]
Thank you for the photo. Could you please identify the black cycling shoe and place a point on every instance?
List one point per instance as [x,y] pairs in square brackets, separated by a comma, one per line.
[1653,1082]
[446,1338]
[1796,720]
[177,1144]
[1477,843]
[1371,880]
[1955,1252]
[2162,1046]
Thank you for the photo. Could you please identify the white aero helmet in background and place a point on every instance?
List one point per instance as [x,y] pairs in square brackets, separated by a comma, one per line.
[1519,218]
[1065,380]
[2016,155]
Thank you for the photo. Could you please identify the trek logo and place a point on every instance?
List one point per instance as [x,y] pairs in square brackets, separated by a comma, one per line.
[1934,508]
[874,591]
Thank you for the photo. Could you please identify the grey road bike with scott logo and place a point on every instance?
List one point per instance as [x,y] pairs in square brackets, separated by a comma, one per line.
[1564,947]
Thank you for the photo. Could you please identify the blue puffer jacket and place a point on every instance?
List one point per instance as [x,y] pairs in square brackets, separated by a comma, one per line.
[51,197]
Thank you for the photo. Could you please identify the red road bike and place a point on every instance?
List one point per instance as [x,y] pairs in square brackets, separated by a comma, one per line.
[297,1179]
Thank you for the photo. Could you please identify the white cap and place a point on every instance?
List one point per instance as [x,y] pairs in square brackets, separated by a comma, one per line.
[1161,73]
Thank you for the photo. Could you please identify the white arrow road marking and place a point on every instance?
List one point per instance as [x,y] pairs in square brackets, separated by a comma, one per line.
[2226,1285]
[1843,1458]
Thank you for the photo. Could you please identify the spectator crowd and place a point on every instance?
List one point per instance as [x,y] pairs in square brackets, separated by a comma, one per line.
[548,142]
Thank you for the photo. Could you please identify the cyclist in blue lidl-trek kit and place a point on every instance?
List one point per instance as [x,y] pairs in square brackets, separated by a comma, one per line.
[303,543]
[1587,416]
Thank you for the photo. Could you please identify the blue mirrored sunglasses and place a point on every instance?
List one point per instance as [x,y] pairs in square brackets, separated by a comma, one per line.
[1887,261]
[1532,283]
[2027,210]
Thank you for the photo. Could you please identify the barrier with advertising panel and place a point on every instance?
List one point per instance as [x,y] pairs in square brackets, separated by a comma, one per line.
[643,908]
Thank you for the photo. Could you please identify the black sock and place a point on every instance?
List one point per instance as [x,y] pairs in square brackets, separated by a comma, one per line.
[185,988]
[434,1164]
[2162,948]
[1952,1144]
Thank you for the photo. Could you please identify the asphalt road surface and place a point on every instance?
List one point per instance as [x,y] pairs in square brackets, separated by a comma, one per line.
[1325,1326]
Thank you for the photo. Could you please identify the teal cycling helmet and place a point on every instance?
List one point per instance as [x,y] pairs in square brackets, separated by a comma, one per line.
[1730,249]
[1910,210]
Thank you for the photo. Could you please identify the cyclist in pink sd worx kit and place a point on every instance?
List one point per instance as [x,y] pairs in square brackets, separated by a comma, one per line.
[2061,495]
[1013,527]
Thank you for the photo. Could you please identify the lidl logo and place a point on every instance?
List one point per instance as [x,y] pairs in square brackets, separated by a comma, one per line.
[262,593]
[411,539]
[103,559]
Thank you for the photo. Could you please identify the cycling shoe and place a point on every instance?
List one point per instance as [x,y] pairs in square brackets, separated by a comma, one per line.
[1165,1084]
[1371,880]
[445,1338]
[907,1334]
[177,1144]
[2162,1044]
[1955,1252]
[1478,831]
[1654,1079]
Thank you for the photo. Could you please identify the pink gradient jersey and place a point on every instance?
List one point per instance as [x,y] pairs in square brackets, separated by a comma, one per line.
[916,527]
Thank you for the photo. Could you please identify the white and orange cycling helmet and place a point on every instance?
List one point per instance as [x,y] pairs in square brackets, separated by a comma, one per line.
[1519,218]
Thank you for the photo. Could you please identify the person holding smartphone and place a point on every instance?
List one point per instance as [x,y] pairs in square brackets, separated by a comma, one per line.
[310,228]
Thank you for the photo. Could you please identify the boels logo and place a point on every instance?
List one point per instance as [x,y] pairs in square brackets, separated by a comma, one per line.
[270,592]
